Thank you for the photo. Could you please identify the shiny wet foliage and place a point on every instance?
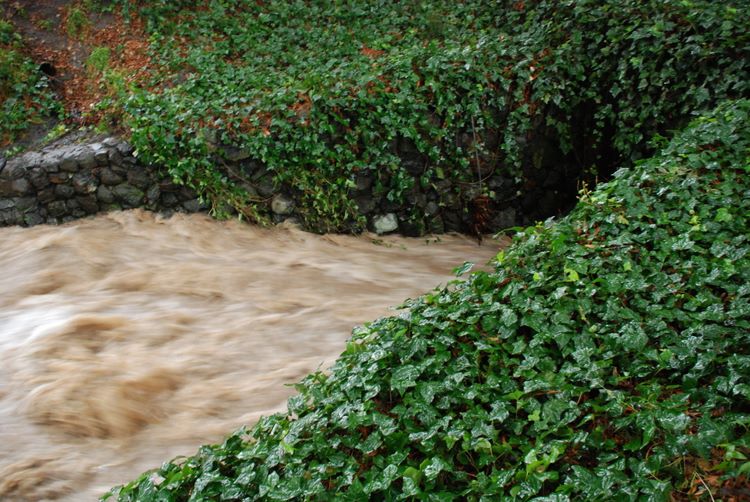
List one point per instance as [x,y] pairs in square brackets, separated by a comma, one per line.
[604,358]
[320,92]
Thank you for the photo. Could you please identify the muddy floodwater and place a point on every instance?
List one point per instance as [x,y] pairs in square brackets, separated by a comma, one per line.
[129,339]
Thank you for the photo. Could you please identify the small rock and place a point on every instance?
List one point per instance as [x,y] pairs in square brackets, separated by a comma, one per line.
[64,191]
[120,169]
[415,198]
[364,181]
[58,178]
[14,169]
[249,167]
[104,195]
[6,204]
[192,206]
[88,204]
[251,191]
[185,193]
[169,199]
[139,177]
[129,195]
[115,157]
[32,219]
[411,228]
[85,157]
[84,183]
[436,225]
[431,208]
[20,186]
[10,217]
[101,154]
[451,221]
[124,148]
[365,203]
[25,203]
[266,186]
[5,188]
[282,205]
[56,209]
[38,178]
[385,223]
[51,163]
[29,160]
[153,193]
[109,177]
[46,196]
[69,165]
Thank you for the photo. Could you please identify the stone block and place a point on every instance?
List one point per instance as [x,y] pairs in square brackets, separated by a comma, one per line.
[13,170]
[128,195]
[101,154]
[58,178]
[64,191]
[124,148]
[84,155]
[69,165]
[169,199]
[38,178]
[282,205]
[115,157]
[384,224]
[192,206]
[33,218]
[365,203]
[84,183]
[153,193]
[20,186]
[5,188]
[88,204]
[104,195]
[24,204]
[46,196]
[139,177]
[10,217]
[56,209]
[109,177]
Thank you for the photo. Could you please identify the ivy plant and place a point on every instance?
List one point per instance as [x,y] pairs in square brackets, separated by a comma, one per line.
[317,93]
[604,358]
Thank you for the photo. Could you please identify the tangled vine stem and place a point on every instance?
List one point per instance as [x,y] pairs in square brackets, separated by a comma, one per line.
[476,153]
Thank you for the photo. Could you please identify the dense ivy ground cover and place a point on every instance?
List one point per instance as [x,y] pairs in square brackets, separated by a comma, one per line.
[25,96]
[320,91]
[606,357]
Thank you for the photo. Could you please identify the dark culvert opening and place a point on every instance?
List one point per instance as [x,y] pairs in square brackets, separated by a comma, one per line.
[48,69]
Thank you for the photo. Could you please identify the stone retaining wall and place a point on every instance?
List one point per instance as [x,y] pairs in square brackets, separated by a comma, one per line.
[63,183]
[80,176]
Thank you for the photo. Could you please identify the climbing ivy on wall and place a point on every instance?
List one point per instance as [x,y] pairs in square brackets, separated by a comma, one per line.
[318,92]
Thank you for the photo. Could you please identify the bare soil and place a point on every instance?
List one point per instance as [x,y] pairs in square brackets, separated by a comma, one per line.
[51,41]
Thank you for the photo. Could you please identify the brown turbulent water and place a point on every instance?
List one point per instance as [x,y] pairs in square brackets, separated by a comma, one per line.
[128,339]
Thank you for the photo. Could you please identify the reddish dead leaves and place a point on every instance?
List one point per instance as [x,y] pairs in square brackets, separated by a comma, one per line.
[79,89]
